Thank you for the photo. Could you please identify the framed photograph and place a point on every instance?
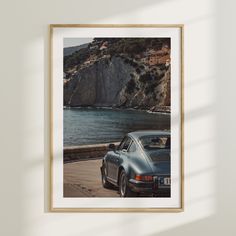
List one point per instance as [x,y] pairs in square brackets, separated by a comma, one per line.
[117,118]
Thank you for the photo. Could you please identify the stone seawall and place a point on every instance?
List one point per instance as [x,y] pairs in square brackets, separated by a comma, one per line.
[85,152]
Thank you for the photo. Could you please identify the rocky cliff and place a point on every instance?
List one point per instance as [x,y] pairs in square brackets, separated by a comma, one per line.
[121,80]
[99,84]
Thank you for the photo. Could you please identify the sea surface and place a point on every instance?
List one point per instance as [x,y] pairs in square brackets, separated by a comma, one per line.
[99,125]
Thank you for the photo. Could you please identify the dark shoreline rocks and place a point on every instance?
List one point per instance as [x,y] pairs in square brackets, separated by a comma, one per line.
[156,109]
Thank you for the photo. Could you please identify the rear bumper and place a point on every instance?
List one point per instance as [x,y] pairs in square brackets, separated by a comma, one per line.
[149,188]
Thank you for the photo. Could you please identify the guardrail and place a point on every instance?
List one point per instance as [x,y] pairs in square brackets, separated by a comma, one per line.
[85,152]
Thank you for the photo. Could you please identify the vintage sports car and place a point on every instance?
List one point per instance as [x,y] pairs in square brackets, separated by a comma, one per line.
[140,165]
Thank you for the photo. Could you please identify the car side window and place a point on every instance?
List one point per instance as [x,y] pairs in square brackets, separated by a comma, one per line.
[122,143]
[132,147]
[126,144]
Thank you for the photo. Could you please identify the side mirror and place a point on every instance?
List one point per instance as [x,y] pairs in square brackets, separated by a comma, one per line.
[112,146]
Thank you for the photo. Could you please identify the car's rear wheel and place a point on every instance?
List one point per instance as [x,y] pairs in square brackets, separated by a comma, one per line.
[105,182]
[124,189]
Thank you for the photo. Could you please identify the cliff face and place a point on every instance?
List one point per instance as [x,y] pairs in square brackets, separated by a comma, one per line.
[99,84]
[120,80]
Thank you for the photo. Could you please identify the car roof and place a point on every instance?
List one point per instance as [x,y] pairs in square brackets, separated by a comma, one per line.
[138,134]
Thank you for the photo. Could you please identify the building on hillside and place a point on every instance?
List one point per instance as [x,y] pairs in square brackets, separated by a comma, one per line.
[157,57]
[167,63]
[152,60]
[164,59]
[165,48]
[104,45]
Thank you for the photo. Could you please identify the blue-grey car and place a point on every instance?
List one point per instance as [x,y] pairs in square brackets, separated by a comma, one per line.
[140,165]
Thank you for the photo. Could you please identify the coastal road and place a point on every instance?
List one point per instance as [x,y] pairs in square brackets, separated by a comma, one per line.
[83,179]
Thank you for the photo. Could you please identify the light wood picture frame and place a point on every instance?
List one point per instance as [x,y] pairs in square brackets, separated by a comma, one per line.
[151,55]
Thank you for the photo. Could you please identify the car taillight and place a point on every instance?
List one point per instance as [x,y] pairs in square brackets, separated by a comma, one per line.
[144,178]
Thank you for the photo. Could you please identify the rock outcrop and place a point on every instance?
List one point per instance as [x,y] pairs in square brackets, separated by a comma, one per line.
[99,84]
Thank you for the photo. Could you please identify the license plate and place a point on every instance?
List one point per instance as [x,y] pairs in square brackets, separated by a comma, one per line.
[167,181]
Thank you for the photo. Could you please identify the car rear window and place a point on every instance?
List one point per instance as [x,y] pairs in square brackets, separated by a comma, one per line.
[152,142]
[157,148]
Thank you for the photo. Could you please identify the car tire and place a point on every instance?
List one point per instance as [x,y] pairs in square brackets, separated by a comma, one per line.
[105,182]
[124,188]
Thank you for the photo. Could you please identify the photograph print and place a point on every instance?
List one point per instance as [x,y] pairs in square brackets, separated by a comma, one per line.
[119,146]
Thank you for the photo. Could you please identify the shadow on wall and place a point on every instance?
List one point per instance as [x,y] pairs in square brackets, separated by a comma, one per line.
[193,228]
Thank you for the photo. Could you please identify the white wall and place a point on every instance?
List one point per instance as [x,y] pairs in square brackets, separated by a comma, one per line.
[210,149]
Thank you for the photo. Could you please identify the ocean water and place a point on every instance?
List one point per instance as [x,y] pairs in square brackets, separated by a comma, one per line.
[92,126]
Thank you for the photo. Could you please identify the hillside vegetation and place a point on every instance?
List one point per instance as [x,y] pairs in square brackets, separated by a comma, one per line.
[119,72]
